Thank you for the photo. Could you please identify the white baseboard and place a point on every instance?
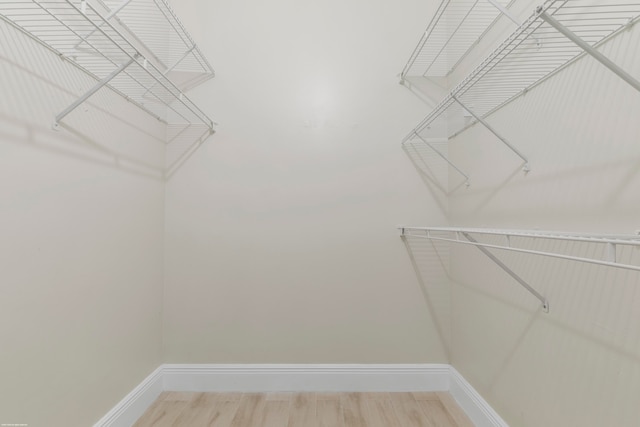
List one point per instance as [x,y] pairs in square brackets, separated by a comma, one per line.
[129,409]
[326,378]
[476,408]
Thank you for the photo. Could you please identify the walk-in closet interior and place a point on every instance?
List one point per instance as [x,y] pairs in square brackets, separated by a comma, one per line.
[244,200]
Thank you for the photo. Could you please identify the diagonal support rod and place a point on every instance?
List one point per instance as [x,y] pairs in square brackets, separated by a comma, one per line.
[91,91]
[466,177]
[106,18]
[505,12]
[168,70]
[590,50]
[493,131]
[545,303]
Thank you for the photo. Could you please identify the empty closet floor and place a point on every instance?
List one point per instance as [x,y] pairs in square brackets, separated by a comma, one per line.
[304,410]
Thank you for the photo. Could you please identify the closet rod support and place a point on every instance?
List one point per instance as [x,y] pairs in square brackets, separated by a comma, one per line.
[466,177]
[591,51]
[97,87]
[543,300]
[525,168]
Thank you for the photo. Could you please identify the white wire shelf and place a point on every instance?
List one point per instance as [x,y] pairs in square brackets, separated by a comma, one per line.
[455,29]
[559,32]
[516,241]
[79,32]
[156,31]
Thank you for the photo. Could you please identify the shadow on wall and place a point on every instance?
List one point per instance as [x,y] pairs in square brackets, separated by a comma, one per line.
[581,354]
[430,262]
[37,84]
[74,145]
[182,141]
[579,130]
[433,170]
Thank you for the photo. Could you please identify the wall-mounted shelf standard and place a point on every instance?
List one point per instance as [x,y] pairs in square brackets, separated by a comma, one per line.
[78,32]
[559,32]
[514,240]
[457,26]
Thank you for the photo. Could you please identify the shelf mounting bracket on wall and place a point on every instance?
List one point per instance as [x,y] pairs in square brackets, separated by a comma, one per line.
[480,120]
[589,49]
[445,158]
[94,89]
[520,280]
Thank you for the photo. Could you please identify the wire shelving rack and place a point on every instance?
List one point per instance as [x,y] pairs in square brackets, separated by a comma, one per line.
[455,29]
[86,34]
[558,33]
[486,239]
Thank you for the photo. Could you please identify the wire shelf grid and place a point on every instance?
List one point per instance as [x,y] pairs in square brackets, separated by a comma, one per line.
[156,31]
[457,26]
[534,52]
[81,34]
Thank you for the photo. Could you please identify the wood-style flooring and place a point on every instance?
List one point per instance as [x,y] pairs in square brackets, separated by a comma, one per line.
[173,409]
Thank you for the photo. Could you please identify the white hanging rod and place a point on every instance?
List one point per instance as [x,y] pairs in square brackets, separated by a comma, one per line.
[470,240]
[611,241]
[114,62]
[457,26]
[565,30]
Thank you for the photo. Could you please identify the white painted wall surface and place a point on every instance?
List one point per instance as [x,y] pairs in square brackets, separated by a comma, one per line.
[81,235]
[281,244]
[580,364]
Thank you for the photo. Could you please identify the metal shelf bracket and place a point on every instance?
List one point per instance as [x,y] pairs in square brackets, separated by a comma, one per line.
[445,158]
[480,120]
[94,89]
[520,280]
[463,236]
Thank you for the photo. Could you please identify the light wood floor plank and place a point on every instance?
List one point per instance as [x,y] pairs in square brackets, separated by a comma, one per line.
[376,396]
[164,415]
[275,413]
[408,411]
[425,395]
[435,412]
[181,409]
[382,414]
[223,413]
[303,410]
[328,396]
[455,411]
[354,410]
[198,411]
[179,396]
[284,397]
[249,411]
[329,412]
[402,397]
[229,397]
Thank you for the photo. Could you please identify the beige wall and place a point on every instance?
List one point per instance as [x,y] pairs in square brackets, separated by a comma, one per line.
[80,243]
[281,244]
[580,364]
